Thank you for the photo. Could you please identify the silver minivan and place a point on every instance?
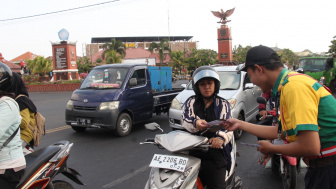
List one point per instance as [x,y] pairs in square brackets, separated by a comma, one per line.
[235,87]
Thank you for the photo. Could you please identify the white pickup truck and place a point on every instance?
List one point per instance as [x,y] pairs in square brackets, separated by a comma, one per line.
[235,87]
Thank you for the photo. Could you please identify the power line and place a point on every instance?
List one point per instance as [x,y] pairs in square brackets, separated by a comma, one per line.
[55,12]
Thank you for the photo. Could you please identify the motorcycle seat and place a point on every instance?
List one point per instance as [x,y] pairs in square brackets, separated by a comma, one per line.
[36,159]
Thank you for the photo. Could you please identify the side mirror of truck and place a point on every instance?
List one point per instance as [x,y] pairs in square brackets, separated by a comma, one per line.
[183,85]
[133,82]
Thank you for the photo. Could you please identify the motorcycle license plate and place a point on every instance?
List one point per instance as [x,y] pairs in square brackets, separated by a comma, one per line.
[169,162]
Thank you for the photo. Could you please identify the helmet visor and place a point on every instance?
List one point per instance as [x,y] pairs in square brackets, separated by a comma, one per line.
[205,73]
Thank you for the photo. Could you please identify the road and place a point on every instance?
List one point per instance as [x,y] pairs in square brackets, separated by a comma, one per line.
[106,161]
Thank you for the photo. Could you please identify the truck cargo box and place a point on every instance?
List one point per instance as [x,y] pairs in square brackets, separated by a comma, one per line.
[160,78]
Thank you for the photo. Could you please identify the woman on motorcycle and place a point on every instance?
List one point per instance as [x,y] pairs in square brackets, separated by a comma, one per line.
[203,107]
[12,161]
[14,84]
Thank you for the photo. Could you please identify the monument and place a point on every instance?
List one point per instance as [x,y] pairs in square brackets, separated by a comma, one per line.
[64,58]
[225,56]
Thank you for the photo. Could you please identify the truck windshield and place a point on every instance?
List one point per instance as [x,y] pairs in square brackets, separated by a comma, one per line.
[310,64]
[229,81]
[105,78]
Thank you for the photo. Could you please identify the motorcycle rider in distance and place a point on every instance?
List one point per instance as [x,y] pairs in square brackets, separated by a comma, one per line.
[307,116]
[203,107]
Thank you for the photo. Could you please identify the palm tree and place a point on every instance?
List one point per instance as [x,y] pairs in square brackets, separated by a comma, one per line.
[116,46]
[161,47]
[40,65]
[177,60]
[112,57]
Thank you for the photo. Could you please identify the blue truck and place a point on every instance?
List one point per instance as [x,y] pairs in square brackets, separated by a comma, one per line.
[116,96]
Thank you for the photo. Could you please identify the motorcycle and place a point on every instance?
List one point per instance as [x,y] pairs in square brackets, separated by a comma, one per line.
[179,169]
[285,166]
[44,164]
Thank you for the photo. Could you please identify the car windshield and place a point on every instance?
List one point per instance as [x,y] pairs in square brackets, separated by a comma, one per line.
[105,78]
[229,80]
[317,64]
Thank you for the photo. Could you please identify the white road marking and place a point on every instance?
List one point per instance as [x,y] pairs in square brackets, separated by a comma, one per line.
[126,177]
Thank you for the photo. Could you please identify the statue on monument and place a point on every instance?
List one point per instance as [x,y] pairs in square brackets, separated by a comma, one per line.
[223,15]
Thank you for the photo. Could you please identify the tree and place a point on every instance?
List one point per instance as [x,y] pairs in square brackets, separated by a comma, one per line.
[40,65]
[332,47]
[161,47]
[239,53]
[84,65]
[177,60]
[112,57]
[201,57]
[116,46]
[289,57]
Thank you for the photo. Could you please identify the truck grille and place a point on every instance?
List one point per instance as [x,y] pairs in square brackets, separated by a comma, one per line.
[88,108]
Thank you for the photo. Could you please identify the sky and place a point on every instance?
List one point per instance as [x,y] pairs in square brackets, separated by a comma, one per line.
[293,24]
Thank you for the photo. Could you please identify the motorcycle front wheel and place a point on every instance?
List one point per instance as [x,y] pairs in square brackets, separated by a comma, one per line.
[61,184]
[289,177]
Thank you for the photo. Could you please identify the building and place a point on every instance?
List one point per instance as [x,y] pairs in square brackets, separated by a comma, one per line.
[137,47]
[26,56]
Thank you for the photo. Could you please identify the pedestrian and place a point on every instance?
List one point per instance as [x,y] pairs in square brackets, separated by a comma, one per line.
[307,116]
[203,107]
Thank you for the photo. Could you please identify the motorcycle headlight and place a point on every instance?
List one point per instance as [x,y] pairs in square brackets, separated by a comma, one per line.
[232,102]
[179,181]
[69,105]
[181,178]
[114,105]
[175,104]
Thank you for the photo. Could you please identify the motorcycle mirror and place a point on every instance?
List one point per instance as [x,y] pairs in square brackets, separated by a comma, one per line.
[261,100]
[300,70]
[153,126]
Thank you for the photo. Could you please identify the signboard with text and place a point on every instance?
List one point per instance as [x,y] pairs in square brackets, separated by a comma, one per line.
[61,58]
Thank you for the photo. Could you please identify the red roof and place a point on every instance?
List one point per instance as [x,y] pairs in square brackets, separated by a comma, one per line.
[132,53]
[97,55]
[157,58]
[25,56]
[12,66]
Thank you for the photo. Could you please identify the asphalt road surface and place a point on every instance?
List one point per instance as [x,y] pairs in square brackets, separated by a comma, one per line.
[106,161]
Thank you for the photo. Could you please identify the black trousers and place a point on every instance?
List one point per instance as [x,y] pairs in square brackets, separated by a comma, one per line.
[213,169]
[211,175]
[10,179]
[321,177]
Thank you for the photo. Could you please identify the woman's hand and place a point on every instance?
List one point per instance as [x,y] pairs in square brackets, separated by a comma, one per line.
[216,143]
[201,124]
[263,114]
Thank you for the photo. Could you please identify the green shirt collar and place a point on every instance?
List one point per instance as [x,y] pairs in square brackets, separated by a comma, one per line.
[281,76]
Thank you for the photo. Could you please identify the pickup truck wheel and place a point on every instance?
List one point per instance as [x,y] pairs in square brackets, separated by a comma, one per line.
[238,133]
[78,129]
[124,125]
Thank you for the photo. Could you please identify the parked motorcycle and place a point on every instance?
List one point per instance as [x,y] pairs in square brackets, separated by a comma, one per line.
[44,164]
[285,166]
[179,169]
